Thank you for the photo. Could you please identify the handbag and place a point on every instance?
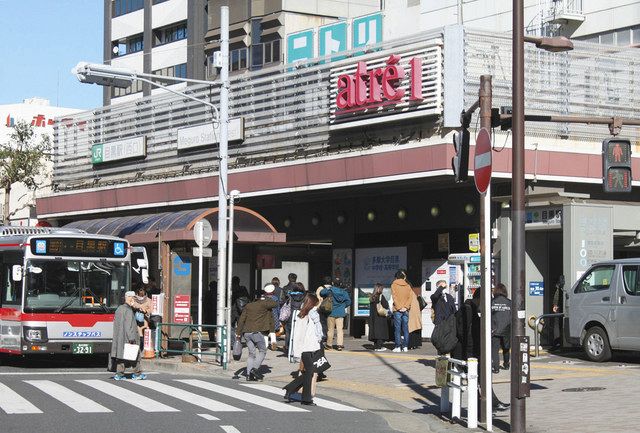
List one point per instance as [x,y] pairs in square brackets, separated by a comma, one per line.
[382,312]
[237,350]
[285,312]
[130,352]
[422,303]
[326,306]
[320,361]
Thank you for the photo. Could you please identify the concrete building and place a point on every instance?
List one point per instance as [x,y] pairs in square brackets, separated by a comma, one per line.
[42,117]
[355,172]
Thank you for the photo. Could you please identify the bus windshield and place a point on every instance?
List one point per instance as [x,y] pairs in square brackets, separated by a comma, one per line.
[64,286]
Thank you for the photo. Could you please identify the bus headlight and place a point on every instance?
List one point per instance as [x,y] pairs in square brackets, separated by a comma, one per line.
[35,334]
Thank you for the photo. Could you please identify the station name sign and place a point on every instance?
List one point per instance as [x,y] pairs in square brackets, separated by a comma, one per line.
[206,134]
[118,150]
[380,86]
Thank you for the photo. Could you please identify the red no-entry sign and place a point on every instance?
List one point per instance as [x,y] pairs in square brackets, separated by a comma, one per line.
[482,161]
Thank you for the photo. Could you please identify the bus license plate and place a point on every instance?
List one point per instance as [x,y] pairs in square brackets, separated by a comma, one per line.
[82,348]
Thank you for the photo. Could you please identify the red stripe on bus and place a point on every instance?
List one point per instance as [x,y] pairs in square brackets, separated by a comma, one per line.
[84,320]
[13,245]
[11,351]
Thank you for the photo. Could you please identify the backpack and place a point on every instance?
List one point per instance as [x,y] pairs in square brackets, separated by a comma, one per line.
[444,337]
[326,306]
[285,312]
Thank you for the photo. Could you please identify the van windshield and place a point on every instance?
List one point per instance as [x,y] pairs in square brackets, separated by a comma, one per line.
[599,278]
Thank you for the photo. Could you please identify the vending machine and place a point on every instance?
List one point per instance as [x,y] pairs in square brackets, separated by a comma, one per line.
[467,275]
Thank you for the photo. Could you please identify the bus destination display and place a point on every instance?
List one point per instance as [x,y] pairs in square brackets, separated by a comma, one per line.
[78,247]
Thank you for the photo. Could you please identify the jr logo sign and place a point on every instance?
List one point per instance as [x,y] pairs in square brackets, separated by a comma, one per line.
[379,86]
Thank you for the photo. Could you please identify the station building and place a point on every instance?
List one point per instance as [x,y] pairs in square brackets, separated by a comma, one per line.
[341,174]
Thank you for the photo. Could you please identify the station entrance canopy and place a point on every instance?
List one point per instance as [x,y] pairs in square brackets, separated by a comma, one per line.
[249,226]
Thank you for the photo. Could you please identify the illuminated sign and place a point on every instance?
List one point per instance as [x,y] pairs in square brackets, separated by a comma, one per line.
[379,86]
[118,150]
[78,247]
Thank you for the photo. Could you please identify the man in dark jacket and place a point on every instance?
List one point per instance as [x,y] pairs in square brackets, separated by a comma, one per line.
[341,300]
[293,294]
[500,327]
[256,321]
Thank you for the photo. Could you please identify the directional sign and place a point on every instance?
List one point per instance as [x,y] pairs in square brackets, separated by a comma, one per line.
[367,30]
[482,161]
[205,252]
[332,39]
[300,46]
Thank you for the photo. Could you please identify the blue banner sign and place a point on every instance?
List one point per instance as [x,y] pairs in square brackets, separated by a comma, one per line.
[332,39]
[300,46]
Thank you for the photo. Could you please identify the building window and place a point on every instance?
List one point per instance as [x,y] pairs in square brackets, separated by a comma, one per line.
[178,71]
[155,2]
[620,37]
[121,7]
[135,87]
[170,34]
[130,45]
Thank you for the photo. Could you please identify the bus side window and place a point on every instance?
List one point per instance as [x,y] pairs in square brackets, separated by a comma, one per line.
[11,291]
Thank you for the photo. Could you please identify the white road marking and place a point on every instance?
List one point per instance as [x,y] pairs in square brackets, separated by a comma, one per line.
[189,397]
[139,401]
[229,429]
[319,401]
[208,417]
[244,396]
[71,398]
[12,402]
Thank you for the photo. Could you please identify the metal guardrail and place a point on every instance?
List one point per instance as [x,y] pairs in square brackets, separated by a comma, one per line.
[185,338]
[457,387]
[537,333]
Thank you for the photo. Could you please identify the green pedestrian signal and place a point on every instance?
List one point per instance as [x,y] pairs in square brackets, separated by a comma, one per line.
[616,165]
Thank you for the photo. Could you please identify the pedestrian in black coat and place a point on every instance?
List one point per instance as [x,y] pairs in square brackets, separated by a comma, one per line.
[442,303]
[500,327]
[378,325]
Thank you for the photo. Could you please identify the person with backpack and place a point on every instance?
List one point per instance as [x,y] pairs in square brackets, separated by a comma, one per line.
[293,294]
[322,309]
[239,299]
[340,301]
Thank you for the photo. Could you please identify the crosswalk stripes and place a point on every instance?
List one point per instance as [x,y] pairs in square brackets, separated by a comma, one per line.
[11,402]
[245,396]
[180,394]
[319,401]
[71,398]
[143,403]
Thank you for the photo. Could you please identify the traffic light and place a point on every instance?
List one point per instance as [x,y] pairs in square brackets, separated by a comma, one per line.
[460,162]
[616,165]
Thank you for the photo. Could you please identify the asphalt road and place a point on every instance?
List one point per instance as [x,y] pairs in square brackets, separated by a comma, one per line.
[78,395]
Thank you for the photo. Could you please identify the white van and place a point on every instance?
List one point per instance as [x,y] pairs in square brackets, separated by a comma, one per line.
[603,309]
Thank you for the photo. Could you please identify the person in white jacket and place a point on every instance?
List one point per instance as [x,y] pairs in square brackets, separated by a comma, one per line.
[306,343]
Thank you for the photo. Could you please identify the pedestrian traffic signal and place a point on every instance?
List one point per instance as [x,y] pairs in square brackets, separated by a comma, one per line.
[616,165]
[460,162]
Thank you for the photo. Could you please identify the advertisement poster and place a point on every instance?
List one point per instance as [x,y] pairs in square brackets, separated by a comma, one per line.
[536,288]
[361,297]
[378,265]
[343,265]
[181,308]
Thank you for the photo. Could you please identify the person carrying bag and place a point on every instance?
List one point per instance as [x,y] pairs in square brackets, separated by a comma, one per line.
[306,346]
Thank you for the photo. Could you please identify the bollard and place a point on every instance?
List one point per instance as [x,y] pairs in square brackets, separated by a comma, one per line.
[472,393]
[456,392]
[148,352]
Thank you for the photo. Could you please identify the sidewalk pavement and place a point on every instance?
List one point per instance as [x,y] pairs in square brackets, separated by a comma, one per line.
[400,387]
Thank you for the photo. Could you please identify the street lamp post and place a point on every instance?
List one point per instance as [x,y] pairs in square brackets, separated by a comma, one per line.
[107,75]
[518,311]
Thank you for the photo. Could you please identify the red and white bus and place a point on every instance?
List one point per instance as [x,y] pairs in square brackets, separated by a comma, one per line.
[60,289]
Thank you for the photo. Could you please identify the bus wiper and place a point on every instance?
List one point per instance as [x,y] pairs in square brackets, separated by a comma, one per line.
[72,298]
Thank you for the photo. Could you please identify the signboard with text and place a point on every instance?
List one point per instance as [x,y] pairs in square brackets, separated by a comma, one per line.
[367,30]
[181,308]
[300,46]
[378,265]
[118,150]
[206,134]
[332,39]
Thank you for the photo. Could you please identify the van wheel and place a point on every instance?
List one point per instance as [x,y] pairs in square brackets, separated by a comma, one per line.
[596,345]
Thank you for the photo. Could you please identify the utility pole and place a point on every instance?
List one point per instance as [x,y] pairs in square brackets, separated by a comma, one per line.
[485,98]
[518,406]
[222,174]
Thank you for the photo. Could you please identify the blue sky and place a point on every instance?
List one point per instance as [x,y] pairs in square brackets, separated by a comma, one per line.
[41,41]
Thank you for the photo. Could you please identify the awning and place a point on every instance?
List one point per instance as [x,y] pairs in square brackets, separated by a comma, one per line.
[248,227]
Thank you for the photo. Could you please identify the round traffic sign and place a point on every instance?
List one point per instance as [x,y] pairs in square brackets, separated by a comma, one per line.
[203,236]
[482,161]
